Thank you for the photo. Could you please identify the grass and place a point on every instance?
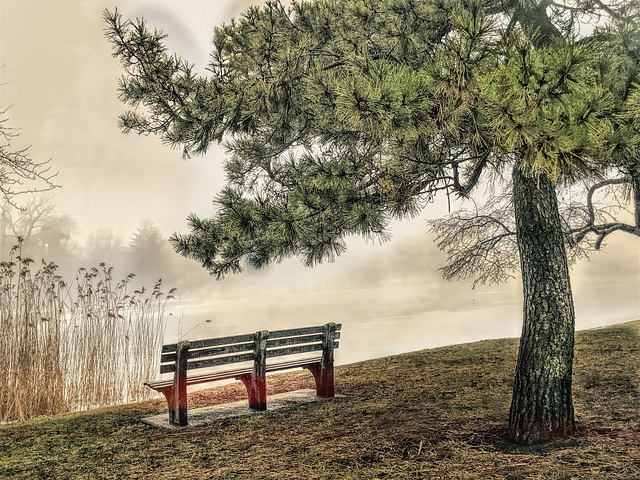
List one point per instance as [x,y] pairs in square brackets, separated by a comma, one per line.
[437,413]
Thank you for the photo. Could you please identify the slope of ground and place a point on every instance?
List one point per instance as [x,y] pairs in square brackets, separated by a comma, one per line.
[437,413]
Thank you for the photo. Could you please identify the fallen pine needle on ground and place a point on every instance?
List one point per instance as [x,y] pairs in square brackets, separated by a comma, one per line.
[438,413]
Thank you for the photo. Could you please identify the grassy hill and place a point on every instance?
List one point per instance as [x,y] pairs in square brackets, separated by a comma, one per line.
[436,413]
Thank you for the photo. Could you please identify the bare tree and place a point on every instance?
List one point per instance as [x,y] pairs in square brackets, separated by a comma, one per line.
[480,243]
[18,172]
[41,229]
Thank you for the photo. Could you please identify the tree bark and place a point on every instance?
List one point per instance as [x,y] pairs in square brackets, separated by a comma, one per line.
[634,171]
[542,407]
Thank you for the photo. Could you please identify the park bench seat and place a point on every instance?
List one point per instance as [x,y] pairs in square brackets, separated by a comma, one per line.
[254,349]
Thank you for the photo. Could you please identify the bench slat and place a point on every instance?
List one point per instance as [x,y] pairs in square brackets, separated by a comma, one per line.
[210,352]
[227,374]
[283,342]
[210,362]
[292,364]
[211,342]
[279,352]
[215,362]
[299,331]
[295,332]
[205,377]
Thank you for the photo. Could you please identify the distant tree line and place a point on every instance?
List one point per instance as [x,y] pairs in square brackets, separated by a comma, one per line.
[50,236]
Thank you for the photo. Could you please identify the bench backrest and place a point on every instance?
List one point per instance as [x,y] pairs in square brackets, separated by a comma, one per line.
[214,352]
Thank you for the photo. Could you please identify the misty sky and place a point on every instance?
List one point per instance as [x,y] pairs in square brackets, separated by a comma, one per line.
[60,80]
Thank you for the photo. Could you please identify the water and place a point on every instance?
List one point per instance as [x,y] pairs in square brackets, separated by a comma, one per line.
[396,319]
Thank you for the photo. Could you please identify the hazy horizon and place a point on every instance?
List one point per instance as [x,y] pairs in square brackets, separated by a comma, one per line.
[60,80]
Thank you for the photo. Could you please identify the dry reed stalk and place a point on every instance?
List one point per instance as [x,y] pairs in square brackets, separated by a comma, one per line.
[74,346]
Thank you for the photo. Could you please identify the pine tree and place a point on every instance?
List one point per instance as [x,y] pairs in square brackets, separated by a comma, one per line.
[341,115]
[150,253]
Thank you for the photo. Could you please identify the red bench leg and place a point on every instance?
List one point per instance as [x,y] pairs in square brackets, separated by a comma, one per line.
[323,371]
[178,403]
[256,391]
[256,381]
[171,403]
[324,380]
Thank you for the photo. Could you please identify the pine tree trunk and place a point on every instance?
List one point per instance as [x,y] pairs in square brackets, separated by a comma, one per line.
[635,184]
[542,407]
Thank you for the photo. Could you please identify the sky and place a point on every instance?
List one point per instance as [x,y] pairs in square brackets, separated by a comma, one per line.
[59,79]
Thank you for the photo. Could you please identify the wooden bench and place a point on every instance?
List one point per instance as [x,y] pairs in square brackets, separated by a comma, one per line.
[179,358]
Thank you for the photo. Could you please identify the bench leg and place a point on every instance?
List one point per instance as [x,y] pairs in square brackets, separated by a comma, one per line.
[323,371]
[176,394]
[324,380]
[179,388]
[256,391]
[177,408]
[256,381]
[171,403]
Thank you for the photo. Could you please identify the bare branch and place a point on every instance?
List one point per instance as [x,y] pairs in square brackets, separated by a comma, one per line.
[19,174]
[602,218]
[479,244]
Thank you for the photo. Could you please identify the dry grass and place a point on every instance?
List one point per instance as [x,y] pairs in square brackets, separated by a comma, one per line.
[437,413]
[71,345]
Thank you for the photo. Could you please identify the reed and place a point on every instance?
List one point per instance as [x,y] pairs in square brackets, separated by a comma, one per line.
[70,346]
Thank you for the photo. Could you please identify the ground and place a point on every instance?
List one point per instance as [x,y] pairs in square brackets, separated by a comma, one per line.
[438,413]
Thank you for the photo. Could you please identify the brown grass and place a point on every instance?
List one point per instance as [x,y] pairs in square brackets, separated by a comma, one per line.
[437,413]
[68,345]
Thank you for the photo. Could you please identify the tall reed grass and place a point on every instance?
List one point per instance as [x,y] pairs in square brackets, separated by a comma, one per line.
[69,346]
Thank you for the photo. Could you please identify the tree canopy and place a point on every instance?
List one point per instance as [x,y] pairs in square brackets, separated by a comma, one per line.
[340,115]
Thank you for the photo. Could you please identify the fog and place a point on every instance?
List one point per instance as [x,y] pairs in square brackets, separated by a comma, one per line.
[60,80]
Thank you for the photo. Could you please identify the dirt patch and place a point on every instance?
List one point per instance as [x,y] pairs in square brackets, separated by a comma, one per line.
[198,417]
